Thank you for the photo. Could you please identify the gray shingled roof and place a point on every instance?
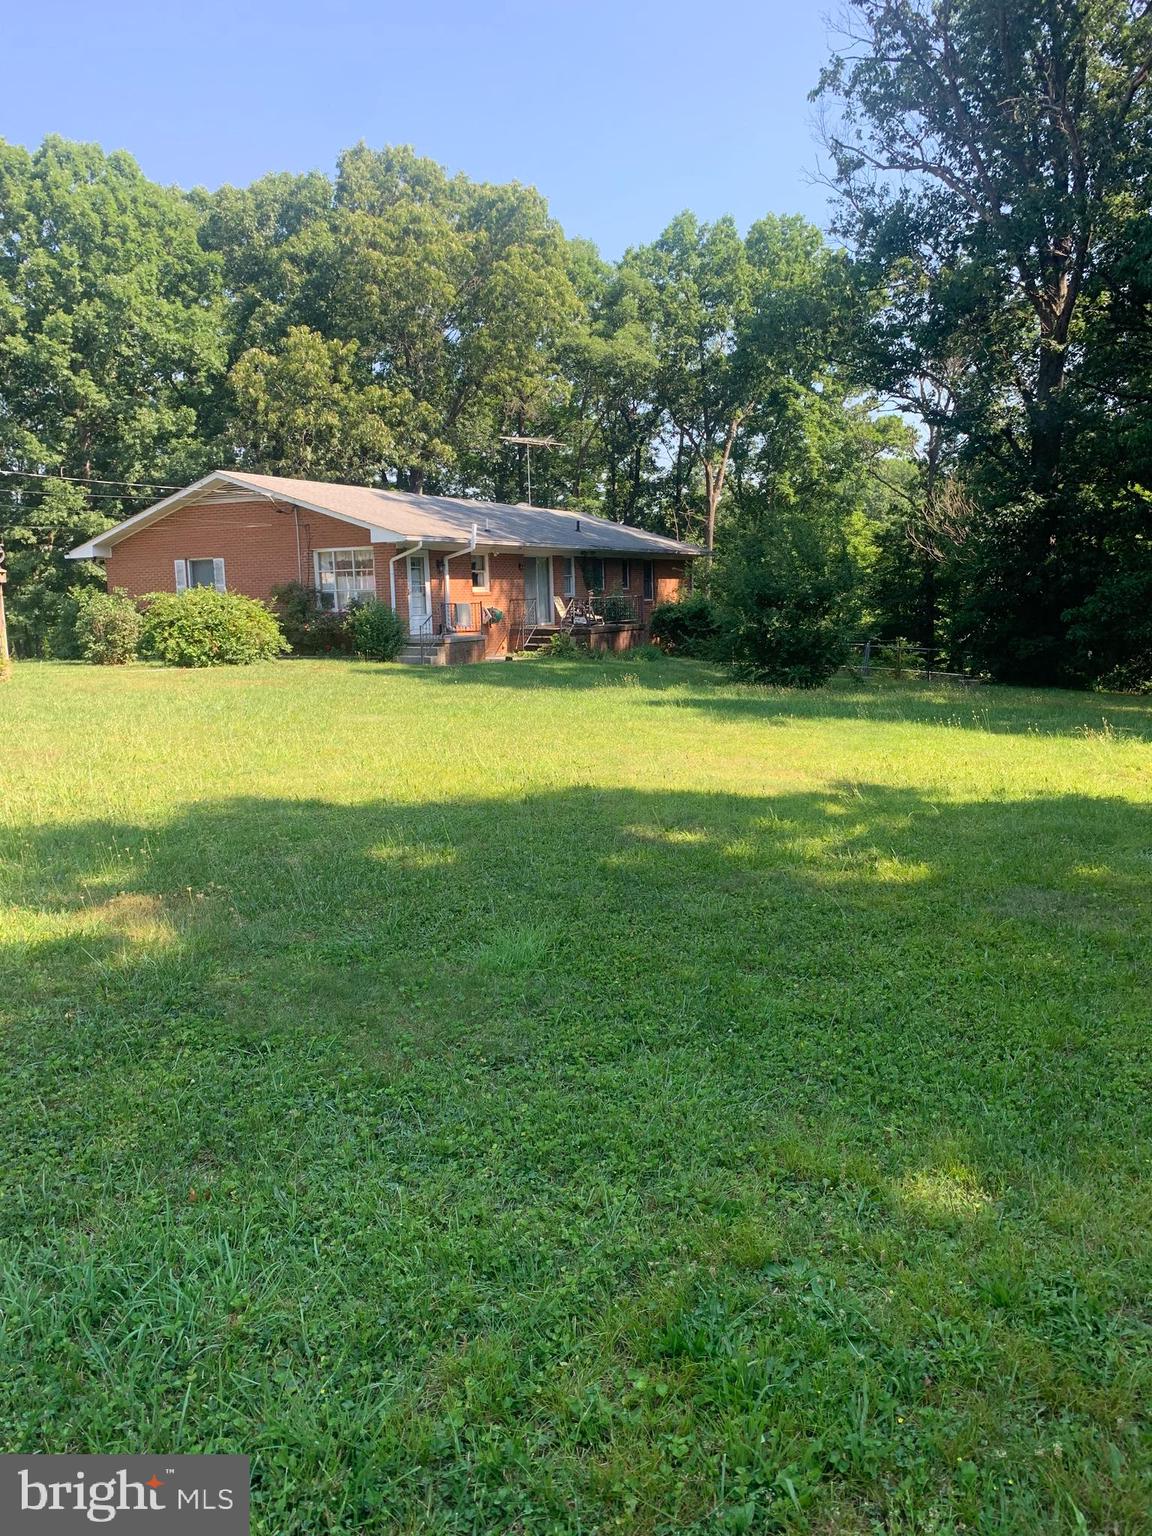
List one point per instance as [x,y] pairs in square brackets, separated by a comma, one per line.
[436,519]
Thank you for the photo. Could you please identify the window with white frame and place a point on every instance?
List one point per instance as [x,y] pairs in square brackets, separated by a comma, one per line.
[594,574]
[344,576]
[568,576]
[625,575]
[649,580]
[200,573]
[479,573]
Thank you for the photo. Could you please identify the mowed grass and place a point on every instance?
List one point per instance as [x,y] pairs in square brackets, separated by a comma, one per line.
[581,1097]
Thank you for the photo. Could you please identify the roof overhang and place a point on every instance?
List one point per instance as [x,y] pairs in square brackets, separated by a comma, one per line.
[101,546]
[580,552]
[634,543]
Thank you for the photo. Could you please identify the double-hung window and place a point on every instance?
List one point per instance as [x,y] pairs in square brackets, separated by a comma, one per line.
[648,577]
[344,576]
[595,574]
[479,573]
[200,573]
[568,576]
[625,575]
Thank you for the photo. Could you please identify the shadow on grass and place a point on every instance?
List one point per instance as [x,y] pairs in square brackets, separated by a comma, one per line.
[607,921]
[409,1147]
[701,686]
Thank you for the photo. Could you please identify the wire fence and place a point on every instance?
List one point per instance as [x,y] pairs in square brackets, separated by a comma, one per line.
[900,658]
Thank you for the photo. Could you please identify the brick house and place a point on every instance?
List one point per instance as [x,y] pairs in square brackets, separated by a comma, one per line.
[469,578]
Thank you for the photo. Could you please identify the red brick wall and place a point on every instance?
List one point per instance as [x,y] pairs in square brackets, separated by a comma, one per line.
[505,585]
[256,541]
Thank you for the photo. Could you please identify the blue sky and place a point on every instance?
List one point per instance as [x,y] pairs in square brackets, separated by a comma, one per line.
[621,113]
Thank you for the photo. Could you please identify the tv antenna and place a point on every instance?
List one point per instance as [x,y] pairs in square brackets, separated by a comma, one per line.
[528,443]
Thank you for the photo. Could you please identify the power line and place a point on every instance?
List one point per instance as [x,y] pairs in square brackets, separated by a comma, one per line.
[92,496]
[120,496]
[144,485]
[98,496]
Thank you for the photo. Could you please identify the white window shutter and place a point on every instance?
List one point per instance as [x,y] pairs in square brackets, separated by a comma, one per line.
[218,575]
[181,575]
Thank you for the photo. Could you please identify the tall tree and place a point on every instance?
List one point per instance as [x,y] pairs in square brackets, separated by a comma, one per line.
[987,153]
[729,320]
[453,292]
[1021,119]
[699,302]
[610,416]
[299,411]
[111,338]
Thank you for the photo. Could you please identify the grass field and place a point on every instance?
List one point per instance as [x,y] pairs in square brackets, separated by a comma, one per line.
[576,1097]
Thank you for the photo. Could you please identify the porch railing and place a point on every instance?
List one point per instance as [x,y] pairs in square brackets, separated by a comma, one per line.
[526,616]
[420,633]
[602,608]
[466,618]
[446,619]
[616,608]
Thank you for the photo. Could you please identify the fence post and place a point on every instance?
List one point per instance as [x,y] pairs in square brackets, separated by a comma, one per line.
[5,658]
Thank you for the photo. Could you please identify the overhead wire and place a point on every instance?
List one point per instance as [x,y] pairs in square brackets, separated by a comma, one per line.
[35,474]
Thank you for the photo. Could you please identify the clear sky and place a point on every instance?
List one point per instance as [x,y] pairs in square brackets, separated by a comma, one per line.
[621,113]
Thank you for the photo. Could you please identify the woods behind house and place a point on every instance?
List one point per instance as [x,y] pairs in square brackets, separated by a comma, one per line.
[932,425]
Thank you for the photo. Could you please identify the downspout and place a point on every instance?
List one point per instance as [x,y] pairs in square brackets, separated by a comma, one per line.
[413,549]
[467,550]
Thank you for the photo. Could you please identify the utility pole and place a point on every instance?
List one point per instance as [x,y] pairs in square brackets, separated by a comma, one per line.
[5,658]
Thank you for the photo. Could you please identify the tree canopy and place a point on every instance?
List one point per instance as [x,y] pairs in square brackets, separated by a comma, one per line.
[939,418]
[994,165]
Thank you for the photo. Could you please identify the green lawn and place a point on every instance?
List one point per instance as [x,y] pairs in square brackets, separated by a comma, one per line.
[576,1097]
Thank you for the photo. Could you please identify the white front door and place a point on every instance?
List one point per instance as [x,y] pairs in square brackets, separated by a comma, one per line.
[419,595]
[538,591]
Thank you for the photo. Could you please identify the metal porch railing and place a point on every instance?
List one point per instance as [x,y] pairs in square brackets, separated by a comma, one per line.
[466,618]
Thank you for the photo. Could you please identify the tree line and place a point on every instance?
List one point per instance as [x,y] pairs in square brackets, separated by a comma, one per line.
[934,425]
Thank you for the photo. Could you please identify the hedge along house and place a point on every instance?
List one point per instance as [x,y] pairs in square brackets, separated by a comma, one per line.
[469,578]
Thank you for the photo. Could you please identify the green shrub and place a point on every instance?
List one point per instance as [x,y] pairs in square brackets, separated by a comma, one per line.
[685,628]
[787,645]
[1110,633]
[206,628]
[60,643]
[377,632]
[309,629]
[107,627]
[563,645]
[785,586]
